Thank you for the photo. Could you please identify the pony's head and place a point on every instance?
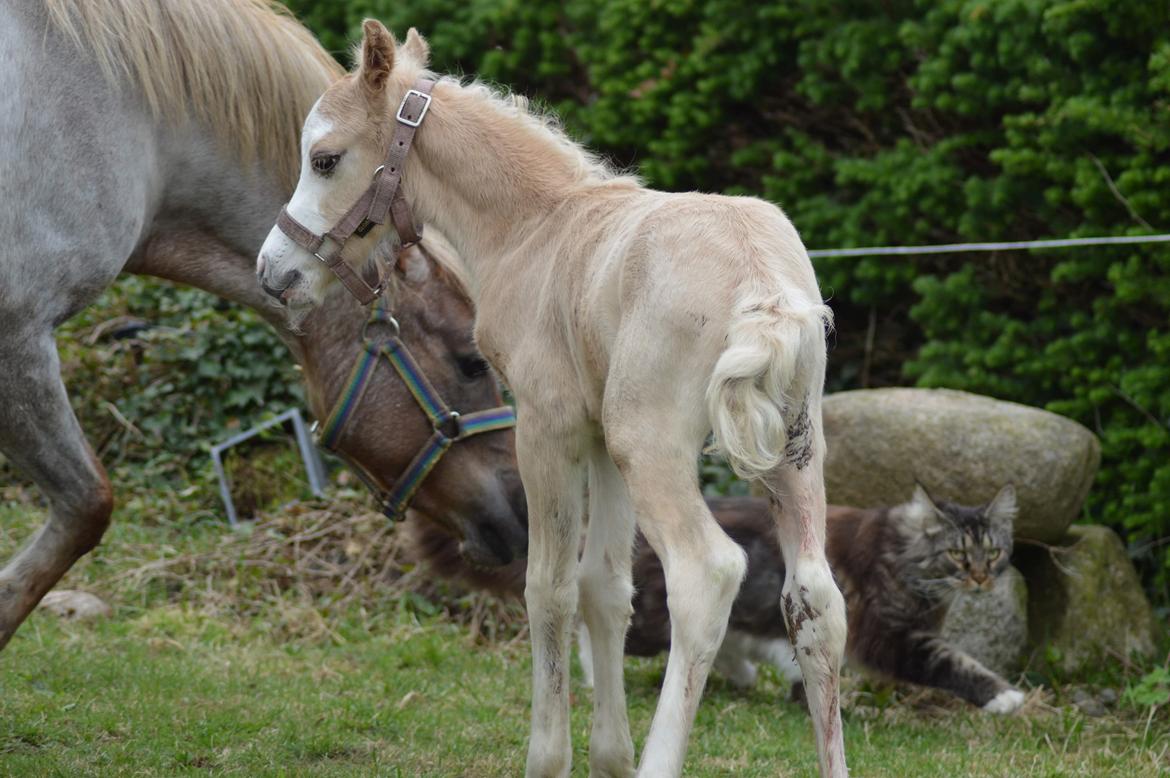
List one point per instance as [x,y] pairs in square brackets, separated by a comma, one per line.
[380,428]
[346,138]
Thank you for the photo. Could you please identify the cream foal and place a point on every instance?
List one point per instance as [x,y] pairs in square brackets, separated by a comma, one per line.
[629,324]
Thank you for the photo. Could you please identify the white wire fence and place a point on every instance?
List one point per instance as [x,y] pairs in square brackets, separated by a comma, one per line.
[1013,245]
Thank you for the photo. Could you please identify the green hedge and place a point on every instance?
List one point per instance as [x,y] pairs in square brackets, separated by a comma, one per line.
[898,123]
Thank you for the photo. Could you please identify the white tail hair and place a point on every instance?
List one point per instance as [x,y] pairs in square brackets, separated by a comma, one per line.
[772,349]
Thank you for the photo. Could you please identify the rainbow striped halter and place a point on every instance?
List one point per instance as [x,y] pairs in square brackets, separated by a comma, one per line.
[449,426]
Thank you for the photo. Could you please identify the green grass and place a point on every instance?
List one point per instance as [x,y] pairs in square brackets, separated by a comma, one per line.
[210,666]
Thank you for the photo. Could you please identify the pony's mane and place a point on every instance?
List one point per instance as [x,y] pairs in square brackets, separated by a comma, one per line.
[546,128]
[447,263]
[246,68]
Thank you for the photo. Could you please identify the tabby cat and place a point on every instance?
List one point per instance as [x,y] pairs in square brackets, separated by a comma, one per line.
[899,569]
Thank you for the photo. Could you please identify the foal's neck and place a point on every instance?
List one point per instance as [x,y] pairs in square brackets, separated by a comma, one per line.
[483,175]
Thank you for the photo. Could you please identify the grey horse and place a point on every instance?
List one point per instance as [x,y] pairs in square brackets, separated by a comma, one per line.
[132,143]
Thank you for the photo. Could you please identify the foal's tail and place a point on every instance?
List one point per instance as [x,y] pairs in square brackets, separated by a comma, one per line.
[762,380]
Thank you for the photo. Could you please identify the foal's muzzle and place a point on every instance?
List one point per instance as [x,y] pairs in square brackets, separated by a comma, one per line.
[277,292]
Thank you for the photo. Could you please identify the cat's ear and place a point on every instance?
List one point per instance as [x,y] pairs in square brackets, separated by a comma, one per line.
[1003,507]
[921,513]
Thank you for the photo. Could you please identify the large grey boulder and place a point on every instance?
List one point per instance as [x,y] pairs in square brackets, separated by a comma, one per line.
[992,626]
[1085,601]
[962,447]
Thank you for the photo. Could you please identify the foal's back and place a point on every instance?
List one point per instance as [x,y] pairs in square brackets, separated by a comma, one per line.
[643,274]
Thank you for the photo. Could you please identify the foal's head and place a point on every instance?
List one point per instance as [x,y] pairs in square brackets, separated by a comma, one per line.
[474,492]
[344,142]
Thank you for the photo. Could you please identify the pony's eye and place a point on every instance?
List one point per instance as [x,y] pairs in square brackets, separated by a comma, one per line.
[323,164]
[473,367]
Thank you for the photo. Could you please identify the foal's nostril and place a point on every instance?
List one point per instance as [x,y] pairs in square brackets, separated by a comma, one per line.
[270,291]
[283,285]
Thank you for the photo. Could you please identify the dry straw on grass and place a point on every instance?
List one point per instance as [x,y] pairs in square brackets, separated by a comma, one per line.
[310,565]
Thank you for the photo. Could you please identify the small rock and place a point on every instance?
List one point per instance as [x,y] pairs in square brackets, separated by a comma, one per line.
[1107,696]
[75,605]
[1085,602]
[1087,704]
[963,447]
[992,626]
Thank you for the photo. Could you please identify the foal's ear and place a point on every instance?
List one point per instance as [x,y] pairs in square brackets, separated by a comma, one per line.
[417,47]
[377,55]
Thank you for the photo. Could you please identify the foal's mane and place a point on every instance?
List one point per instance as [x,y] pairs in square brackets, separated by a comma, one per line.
[542,131]
[246,68]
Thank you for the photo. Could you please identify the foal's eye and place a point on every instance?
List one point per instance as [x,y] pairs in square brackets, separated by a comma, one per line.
[323,164]
[473,367]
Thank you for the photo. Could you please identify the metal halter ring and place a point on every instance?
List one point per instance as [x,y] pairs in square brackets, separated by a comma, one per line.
[451,417]
[379,318]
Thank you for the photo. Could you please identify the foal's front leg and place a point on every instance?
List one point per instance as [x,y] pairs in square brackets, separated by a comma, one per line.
[553,475]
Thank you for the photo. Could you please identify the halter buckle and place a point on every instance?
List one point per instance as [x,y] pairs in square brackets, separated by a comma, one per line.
[402,107]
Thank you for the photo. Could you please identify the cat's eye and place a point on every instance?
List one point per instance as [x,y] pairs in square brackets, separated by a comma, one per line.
[993,554]
[956,554]
[323,164]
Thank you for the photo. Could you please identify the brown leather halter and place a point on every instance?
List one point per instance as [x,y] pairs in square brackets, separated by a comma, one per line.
[383,198]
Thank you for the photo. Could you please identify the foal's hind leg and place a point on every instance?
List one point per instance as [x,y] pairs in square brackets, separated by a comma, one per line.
[814,610]
[606,589]
[549,453]
[703,567]
[41,436]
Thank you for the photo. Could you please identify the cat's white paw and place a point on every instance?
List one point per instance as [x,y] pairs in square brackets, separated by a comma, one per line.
[1007,701]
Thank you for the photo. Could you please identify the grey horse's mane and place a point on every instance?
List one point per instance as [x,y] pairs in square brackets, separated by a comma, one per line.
[246,68]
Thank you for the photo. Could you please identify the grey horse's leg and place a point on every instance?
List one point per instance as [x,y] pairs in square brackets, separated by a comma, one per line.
[41,436]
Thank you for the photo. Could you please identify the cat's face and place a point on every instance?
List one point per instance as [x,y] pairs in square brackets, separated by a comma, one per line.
[958,547]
